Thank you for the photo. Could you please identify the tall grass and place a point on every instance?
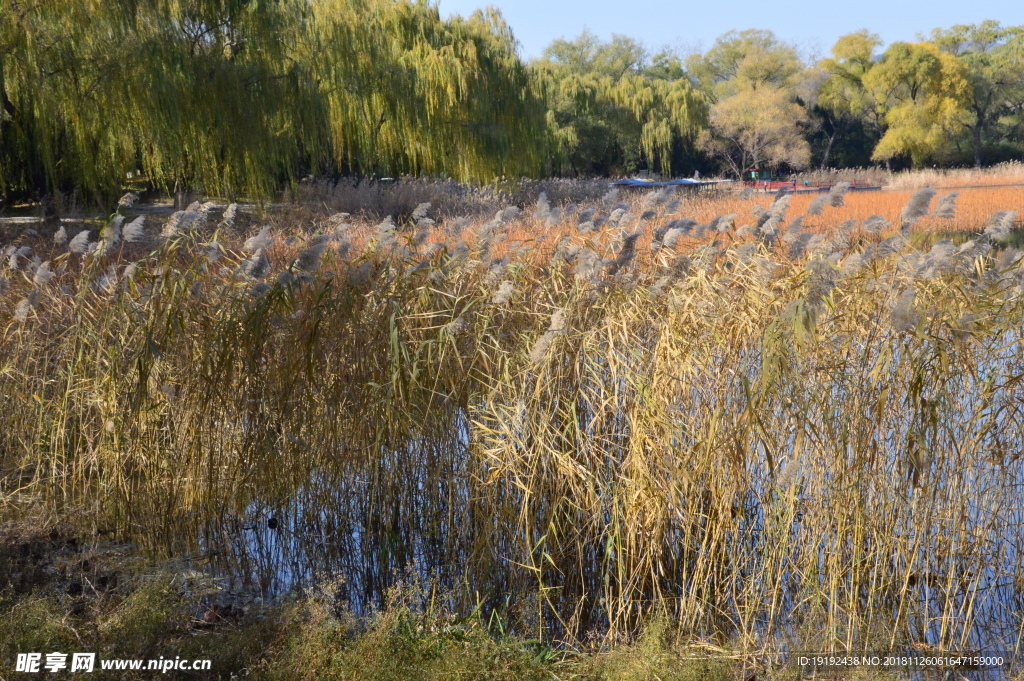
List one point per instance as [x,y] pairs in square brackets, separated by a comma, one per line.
[1011,172]
[761,446]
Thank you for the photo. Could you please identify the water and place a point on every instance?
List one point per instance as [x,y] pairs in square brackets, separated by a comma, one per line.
[426,511]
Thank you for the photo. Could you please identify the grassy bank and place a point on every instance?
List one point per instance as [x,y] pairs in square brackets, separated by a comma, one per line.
[60,594]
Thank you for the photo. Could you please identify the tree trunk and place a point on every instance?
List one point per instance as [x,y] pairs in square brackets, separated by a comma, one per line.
[8,105]
[179,196]
[828,150]
[977,143]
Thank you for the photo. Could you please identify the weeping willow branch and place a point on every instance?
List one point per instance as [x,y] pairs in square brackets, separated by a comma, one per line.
[239,97]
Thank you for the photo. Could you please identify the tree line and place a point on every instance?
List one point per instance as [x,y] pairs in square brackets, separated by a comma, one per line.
[242,97]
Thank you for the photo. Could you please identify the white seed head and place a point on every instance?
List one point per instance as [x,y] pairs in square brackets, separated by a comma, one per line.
[945,207]
[874,224]
[128,200]
[420,212]
[817,204]
[135,230]
[211,251]
[543,209]
[25,306]
[504,292]
[917,206]
[540,347]
[835,194]
[261,241]
[256,266]
[309,259]
[80,244]
[904,317]
[43,275]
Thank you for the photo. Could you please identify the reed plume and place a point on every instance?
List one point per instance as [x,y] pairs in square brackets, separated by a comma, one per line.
[836,193]
[80,244]
[945,207]
[261,241]
[917,207]
[309,258]
[256,266]
[818,204]
[874,224]
[43,275]
[903,316]
[135,231]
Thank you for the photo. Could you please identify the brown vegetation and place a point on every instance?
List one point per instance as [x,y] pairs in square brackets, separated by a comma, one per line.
[762,435]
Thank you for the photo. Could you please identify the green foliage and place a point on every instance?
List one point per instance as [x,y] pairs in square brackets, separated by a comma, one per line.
[245,97]
[32,623]
[139,624]
[993,58]
[653,656]
[196,93]
[239,96]
[407,92]
[938,101]
[315,638]
[614,110]
[588,55]
[845,107]
[745,59]
[397,643]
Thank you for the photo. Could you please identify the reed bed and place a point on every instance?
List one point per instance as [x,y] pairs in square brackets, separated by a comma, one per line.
[1010,172]
[973,208]
[767,437]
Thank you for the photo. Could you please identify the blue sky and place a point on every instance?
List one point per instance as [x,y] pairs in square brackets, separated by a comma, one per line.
[809,24]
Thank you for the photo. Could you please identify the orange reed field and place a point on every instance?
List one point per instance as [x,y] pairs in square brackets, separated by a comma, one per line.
[535,240]
[974,207]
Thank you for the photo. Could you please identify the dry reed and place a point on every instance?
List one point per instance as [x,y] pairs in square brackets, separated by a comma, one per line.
[777,447]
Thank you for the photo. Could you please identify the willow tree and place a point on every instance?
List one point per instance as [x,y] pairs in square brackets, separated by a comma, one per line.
[196,93]
[614,109]
[408,92]
[240,96]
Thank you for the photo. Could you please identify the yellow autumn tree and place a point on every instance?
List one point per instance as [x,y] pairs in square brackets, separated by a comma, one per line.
[757,127]
[757,119]
[921,95]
